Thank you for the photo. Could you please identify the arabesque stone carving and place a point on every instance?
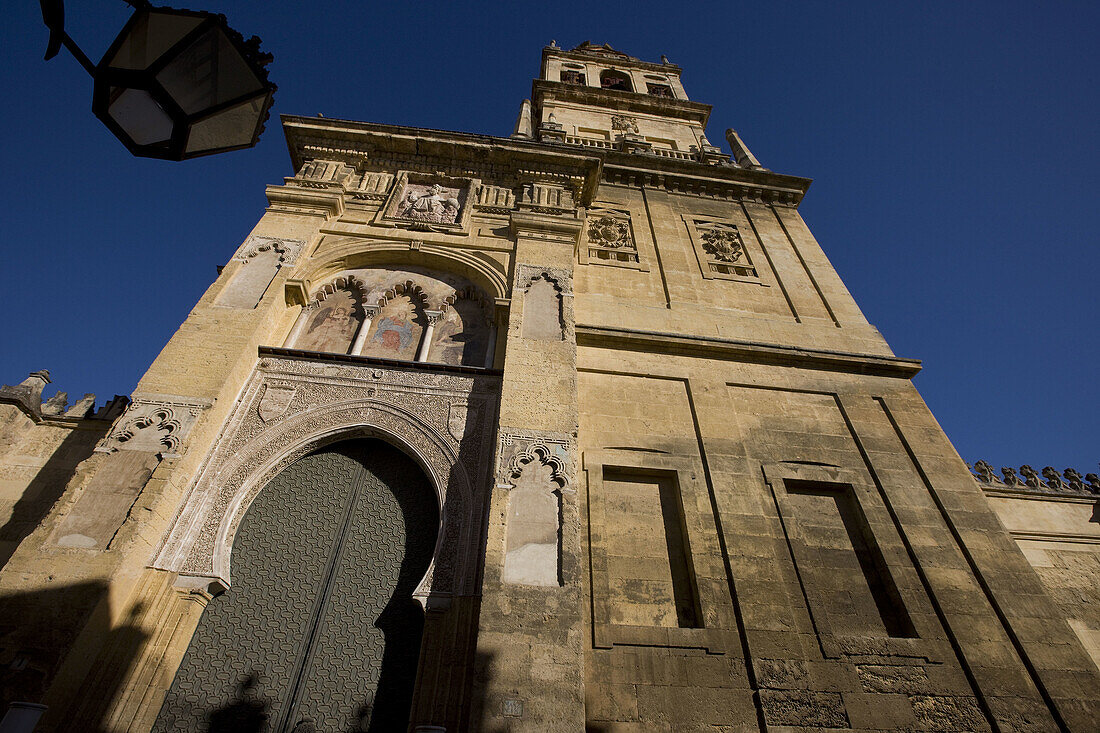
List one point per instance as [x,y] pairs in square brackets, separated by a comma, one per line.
[154,423]
[326,403]
[624,123]
[723,244]
[608,231]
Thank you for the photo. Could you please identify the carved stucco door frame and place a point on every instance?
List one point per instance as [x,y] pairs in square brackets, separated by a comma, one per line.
[291,407]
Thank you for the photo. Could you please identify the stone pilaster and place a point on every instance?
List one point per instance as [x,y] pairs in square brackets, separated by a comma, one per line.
[530,657]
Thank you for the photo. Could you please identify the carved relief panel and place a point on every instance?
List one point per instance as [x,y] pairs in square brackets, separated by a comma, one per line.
[430,203]
[721,250]
[608,239]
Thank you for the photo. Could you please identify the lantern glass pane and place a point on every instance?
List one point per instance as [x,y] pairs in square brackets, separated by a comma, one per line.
[207,73]
[149,37]
[139,115]
[229,128]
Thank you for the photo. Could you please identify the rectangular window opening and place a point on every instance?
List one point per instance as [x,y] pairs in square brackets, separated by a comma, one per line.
[656,580]
[833,529]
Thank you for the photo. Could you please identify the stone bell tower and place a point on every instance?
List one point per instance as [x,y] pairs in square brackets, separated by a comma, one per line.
[576,429]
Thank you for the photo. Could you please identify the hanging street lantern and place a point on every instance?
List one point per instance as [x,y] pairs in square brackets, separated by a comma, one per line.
[174,84]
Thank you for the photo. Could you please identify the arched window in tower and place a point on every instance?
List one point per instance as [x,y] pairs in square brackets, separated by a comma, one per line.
[656,89]
[573,76]
[617,80]
[461,334]
[330,324]
[397,329]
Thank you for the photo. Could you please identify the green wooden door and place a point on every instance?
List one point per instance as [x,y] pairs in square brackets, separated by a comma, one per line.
[319,631]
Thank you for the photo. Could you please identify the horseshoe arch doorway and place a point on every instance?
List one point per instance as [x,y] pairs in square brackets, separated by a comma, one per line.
[319,631]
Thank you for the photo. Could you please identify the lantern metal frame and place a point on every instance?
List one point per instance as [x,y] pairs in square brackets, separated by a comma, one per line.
[105,78]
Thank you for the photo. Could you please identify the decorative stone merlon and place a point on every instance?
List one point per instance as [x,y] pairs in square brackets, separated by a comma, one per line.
[1049,480]
[27,395]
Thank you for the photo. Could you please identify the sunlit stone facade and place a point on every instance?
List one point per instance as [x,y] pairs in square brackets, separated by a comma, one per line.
[572,430]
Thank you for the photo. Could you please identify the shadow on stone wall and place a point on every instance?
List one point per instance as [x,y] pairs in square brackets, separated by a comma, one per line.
[45,489]
[446,692]
[37,631]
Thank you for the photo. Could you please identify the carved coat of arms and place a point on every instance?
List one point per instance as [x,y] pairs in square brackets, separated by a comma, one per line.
[456,421]
[274,402]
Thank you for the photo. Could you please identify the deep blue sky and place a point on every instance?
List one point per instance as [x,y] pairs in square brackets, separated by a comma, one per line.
[953,147]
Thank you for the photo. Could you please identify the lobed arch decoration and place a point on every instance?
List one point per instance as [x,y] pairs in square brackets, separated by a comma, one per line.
[540,453]
[413,290]
[165,434]
[334,255]
[532,546]
[546,304]
[400,324]
[401,312]
[333,318]
[336,284]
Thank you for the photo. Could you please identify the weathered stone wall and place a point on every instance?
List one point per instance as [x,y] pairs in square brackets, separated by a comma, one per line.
[907,608]
[1059,534]
[43,445]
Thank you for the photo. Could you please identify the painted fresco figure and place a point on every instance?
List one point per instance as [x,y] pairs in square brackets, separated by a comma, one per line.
[331,330]
[393,334]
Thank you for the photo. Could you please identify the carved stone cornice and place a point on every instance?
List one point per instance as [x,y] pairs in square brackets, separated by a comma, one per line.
[499,161]
[511,162]
[680,109]
[298,200]
[598,54]
[547,226]
[712,181]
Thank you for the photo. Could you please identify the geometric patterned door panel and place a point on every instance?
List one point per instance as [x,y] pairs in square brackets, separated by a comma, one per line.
[320,630]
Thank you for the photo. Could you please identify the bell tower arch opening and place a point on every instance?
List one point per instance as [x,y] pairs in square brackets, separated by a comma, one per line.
[320,627]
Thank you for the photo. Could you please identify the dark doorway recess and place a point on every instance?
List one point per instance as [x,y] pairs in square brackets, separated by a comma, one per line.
[319,630]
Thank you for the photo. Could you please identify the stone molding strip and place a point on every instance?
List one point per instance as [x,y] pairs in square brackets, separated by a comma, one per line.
[748,351]
[369,360]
